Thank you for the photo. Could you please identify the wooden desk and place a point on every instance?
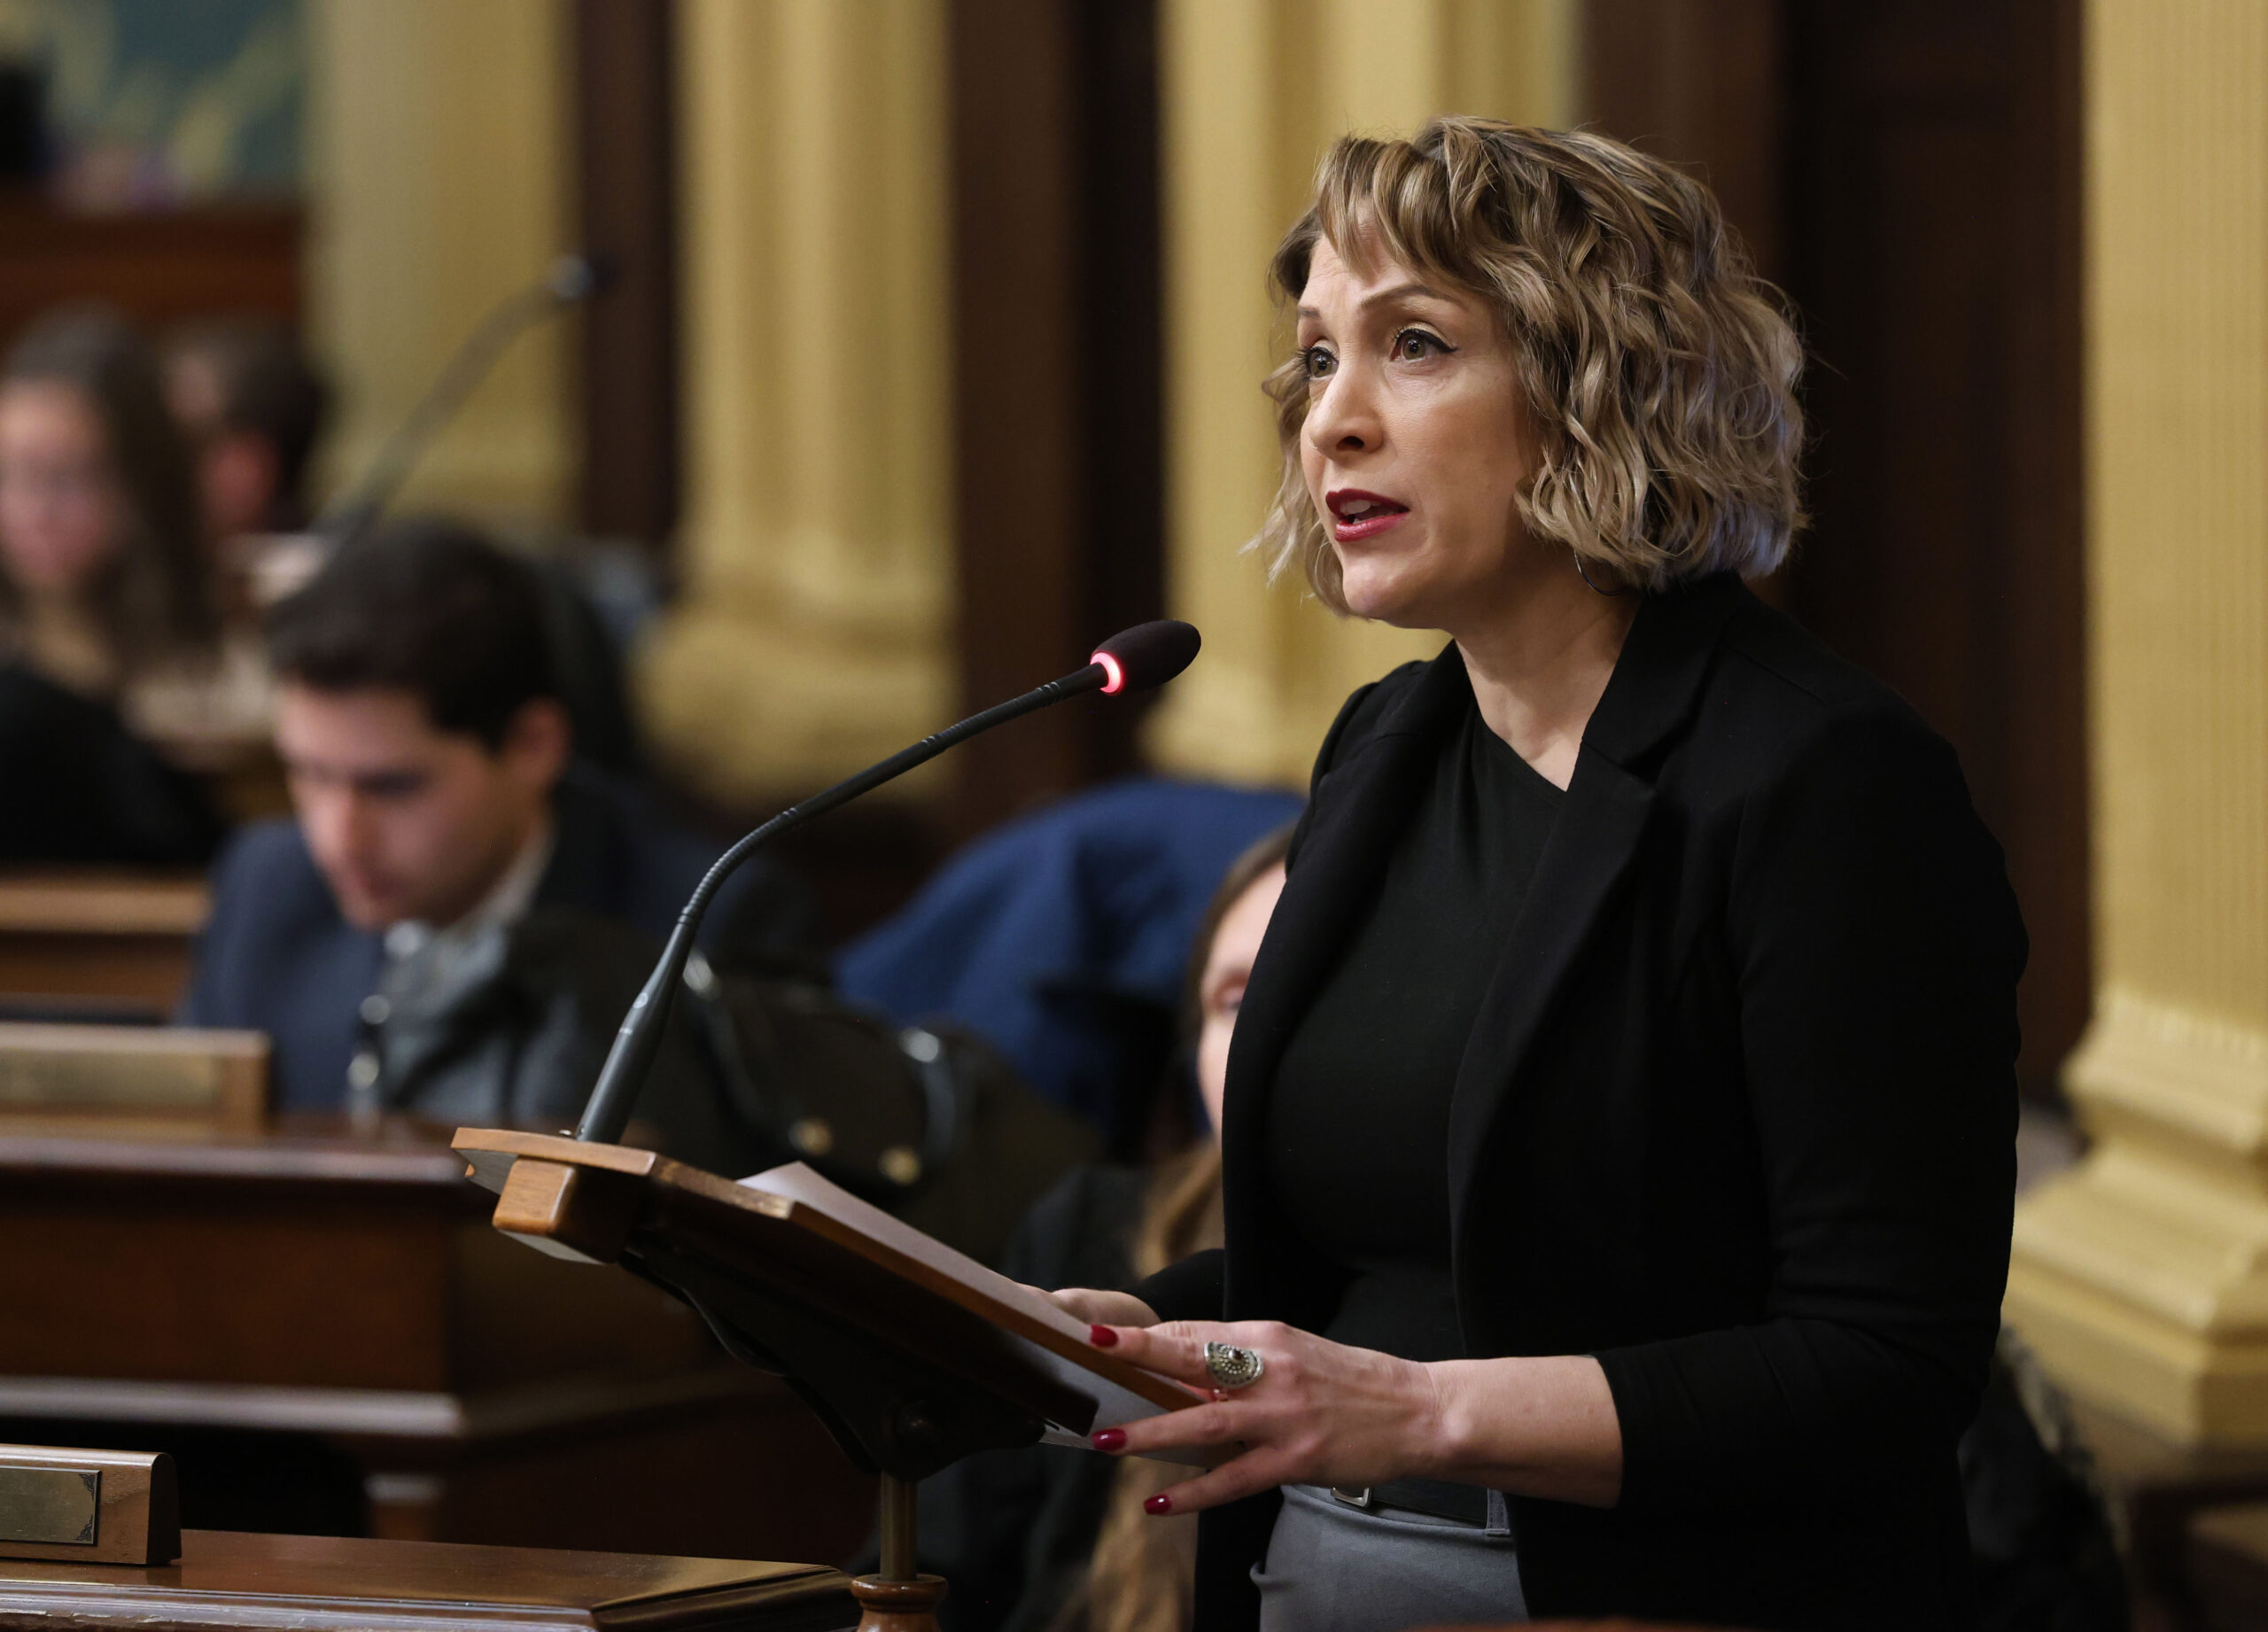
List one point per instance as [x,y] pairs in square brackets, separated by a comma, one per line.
[319,1584]
[118,943]
[323,1329]
[2228,1564]
[2155,1489]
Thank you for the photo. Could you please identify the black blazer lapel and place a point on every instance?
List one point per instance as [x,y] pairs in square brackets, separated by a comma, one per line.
[1359,806]
[1593,844]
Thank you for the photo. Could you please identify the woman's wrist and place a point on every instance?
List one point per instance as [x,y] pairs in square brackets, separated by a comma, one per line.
[1445,1432]
[1542,1425]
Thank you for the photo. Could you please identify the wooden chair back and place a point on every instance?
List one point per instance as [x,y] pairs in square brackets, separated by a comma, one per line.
[98,944]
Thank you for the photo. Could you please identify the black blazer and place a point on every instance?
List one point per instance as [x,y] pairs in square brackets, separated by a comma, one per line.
[1737,1116]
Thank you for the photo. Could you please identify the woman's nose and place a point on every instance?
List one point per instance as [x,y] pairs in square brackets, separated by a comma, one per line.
[1345,419]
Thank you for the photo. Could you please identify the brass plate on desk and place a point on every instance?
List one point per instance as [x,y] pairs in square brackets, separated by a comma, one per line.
[89,1506]
[54,1507]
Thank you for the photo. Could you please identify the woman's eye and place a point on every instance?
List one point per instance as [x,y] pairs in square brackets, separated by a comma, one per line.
[1415,346]
[1317,363]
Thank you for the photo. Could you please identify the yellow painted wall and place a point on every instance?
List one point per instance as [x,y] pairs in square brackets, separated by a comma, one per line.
[1253,91]
[812,634]
[440,176]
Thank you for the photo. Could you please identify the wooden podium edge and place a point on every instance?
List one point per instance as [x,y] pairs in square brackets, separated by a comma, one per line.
[493,1154]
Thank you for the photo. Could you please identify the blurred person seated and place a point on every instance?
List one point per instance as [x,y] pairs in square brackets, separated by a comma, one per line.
[1049,1537]
[104,606]
[1063,937]
[461,912]
[243,392]
[252,409]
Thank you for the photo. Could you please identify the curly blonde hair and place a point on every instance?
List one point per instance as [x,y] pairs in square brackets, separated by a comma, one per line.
[1659,371]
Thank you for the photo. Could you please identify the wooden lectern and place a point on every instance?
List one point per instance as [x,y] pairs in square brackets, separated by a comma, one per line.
[225,1582]
[910,1368]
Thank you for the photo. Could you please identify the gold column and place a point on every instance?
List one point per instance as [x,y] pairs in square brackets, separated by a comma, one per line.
[2142,1277]
[1253,91]
[812,634]
[439,182]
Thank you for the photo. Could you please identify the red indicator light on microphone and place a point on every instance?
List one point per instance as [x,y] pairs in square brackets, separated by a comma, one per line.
[1116,683]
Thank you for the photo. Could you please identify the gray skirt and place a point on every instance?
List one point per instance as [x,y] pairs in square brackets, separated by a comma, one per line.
[1331,1568]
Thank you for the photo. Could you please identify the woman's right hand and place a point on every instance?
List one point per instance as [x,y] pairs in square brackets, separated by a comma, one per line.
[1104,1308]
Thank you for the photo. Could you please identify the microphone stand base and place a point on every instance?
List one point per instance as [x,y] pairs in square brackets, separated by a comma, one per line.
[898,1605]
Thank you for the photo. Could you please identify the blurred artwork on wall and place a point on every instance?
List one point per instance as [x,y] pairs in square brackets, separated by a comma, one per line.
[114,106]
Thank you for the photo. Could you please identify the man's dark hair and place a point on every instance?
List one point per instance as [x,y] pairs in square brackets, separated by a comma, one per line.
[267,389]
[425,606]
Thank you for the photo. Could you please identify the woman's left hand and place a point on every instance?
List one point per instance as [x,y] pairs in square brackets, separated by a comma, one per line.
[1321,1413]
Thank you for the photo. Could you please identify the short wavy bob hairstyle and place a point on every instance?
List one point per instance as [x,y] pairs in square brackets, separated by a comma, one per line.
[1659,370]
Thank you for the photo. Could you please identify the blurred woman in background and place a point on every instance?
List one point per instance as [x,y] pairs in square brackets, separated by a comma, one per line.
[1016,1531]
[104,600]
[1144,1568]
[102,582]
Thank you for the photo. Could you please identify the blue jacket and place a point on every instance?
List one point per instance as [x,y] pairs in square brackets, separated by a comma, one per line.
[276,957]
[1033,935]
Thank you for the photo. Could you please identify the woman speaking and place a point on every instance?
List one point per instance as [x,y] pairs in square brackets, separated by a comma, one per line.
[1619,1138]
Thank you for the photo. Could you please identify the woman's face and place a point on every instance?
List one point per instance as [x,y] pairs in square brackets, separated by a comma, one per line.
[1220,991]
[59,505]
[1415,447]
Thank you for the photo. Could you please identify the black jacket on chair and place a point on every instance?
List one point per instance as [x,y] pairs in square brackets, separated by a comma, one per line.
[1737,1116]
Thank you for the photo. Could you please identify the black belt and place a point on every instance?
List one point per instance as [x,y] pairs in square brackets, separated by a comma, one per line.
[1438,1498]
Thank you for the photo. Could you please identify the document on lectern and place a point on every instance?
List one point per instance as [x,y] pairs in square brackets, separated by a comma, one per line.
[1113,1405]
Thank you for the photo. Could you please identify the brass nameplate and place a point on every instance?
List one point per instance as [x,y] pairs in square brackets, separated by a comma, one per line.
[54,1507]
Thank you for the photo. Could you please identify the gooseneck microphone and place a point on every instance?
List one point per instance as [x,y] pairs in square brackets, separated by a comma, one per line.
[569,281]
[1146,655]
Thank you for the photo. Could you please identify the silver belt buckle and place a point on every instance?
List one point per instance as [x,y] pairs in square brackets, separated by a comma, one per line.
[1352,1498]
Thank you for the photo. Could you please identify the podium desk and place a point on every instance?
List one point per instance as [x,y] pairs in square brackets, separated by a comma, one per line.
[322,1328]
[323,1584]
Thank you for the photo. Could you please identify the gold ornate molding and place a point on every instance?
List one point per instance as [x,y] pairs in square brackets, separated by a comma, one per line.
[2142,1275]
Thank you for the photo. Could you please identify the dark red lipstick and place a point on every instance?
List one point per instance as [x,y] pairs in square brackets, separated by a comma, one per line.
[1357,515]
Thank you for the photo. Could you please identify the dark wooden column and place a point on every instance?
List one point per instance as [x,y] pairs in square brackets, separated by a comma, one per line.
[1909,171]
[626,195]
[1935,224]
[1703,83]
[1056,374]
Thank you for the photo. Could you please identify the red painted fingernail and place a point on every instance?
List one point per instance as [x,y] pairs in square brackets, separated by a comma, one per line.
[1102,1336]
[1158,1504]
[1110,1439]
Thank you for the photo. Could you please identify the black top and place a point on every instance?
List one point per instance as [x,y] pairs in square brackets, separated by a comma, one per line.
[83,788]
[1358,1128]
[1737,1116]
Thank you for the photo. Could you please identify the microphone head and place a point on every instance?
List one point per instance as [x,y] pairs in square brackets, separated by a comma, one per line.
[1147,655]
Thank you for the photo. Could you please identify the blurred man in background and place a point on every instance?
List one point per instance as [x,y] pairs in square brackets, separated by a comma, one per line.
[449,923]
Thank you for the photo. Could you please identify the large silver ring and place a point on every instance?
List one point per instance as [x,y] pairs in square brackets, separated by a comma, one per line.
[1232,1367]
